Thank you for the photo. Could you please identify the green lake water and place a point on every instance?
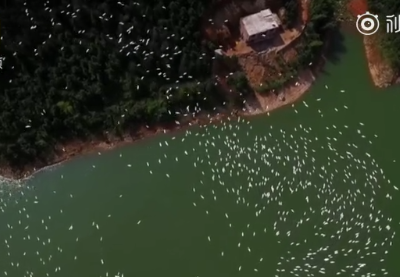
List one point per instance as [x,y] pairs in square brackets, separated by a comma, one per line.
[307,191]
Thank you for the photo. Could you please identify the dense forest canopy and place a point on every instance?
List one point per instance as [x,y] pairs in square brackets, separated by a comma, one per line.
[76,68]
[390,42]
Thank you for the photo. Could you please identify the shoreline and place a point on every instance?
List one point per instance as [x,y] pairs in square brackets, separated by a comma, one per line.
[72,149]
[291,93]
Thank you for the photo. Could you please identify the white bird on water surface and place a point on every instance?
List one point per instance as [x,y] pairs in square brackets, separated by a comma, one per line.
[327,191]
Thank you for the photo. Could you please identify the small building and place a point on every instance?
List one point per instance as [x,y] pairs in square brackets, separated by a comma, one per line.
[260,26]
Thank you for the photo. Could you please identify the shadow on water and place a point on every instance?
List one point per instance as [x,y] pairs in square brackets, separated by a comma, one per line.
[334,51]
[336,48]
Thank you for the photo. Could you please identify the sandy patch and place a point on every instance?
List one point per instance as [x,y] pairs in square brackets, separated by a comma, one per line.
[67,151]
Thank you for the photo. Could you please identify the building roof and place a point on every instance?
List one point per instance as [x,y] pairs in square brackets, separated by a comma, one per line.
[260,22]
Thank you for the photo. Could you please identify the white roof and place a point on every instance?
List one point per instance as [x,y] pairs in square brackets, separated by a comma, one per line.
[260,22]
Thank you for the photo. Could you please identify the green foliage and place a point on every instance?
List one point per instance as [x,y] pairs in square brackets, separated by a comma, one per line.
[77,68]
[389,42]
[322,16]
[239,82]
[227,63]
[322,20]
[279,83]
[292,12]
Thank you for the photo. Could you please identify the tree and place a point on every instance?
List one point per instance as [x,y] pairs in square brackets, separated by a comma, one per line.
[96,66]
[389,42]
[292,10]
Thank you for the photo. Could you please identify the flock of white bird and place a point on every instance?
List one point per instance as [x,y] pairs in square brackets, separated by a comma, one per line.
[321,197]
[124,41]
[30,234]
